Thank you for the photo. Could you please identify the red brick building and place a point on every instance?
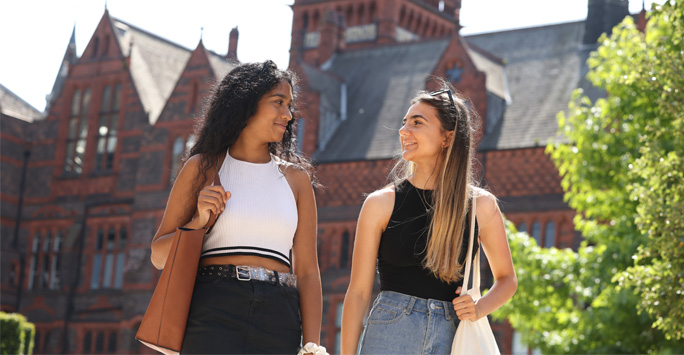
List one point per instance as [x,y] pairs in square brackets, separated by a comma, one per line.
[84,184]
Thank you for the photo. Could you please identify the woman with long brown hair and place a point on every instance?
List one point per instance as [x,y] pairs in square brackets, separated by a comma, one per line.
[415,232]
[258,287]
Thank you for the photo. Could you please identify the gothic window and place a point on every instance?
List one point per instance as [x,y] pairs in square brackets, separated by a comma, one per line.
[99,342]
[96,46]
[77,132]
[371,11]
[402,17]
[300,134]
[305,21]
[109,257]
[361,14]
[536,232]
[314,22]
[176,156]
[87,343]
[34,261]
[351,21]
[44,262]
[111,343]
[105,48]
[180,148]
[41,340]
[193,97]
[55,259]
[550,235]
[338,327]
[104,339]
[522,227]
[108,125]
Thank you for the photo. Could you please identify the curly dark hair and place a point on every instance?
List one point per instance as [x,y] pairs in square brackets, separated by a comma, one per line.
[234,100]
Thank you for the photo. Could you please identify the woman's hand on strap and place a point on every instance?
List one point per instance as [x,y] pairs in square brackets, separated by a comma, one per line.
[211,199]
[465,307]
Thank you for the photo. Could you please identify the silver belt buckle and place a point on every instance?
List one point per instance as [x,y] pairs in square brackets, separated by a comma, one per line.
[242,273]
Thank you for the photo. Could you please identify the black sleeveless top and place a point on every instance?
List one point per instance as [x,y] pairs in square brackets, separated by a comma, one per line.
[403,246]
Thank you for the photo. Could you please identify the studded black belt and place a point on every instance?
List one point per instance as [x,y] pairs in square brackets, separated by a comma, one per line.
[248,273]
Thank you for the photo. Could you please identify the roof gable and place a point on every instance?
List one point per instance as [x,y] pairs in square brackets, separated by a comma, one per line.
[14,106]
[542,69]
[155,65]
[380,83]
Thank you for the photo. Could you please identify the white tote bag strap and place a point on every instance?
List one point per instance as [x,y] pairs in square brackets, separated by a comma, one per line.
[469,256]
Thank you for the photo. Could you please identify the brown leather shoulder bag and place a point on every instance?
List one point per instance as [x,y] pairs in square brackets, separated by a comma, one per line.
[163,325]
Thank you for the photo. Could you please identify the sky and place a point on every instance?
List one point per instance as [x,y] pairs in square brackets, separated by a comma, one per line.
[34,33]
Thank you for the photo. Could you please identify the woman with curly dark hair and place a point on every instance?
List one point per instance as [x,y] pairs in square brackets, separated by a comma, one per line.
[258,268]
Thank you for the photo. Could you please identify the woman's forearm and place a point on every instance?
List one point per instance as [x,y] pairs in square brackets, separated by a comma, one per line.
[354,311]
[502,291]
[311,306]
[161,246]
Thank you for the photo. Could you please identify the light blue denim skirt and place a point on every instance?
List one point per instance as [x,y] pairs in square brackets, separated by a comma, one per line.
[403,324]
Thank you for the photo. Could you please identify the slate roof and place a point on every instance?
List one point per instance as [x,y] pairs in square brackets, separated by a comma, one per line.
[380,83]
[542,68]
[219,64]
[156,64]
[14,106]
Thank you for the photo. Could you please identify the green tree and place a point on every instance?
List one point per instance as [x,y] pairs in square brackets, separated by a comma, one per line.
[623,173]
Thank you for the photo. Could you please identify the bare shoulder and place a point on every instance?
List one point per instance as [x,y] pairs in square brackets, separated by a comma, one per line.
[296,176]
[379,205]
[190,169]
[486,201]
[487,207]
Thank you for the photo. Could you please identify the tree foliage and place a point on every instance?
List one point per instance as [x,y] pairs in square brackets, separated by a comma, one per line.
[622,171]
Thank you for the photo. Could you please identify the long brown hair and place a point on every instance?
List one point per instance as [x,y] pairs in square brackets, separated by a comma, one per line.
[453,184]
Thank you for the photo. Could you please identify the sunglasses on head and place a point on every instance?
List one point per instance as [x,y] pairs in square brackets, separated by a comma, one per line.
[440,92]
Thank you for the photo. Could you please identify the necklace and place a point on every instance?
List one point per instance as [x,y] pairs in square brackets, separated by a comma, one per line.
[422,198]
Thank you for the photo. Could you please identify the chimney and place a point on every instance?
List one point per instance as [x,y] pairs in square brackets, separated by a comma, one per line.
[602,16]
[331,35]
[387,22]
[232,44]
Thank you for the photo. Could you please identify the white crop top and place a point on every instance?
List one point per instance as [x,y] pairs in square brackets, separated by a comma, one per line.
[261,215]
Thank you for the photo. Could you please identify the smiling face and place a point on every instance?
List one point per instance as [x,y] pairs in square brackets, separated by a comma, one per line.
[273,113]
[421,135]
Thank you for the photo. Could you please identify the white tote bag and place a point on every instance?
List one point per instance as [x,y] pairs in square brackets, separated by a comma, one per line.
[473,337]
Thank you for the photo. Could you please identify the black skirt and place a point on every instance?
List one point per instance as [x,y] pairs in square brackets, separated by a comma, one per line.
[229,316]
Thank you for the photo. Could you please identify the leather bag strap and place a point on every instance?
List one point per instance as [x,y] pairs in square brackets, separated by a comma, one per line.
[469,257]
[213,217]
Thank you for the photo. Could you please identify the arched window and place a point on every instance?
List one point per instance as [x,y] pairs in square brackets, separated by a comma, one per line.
[176,155]
[96,46]
[550,234]
[105,48]
[108,128]
[344,250]
[402,16]
[77,132]
[189,143]
[536,232]
[305,21]
[314,22]
[371,11]
[361,14]
[522,227]
[193,97]
[87,343]
[351,21]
